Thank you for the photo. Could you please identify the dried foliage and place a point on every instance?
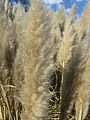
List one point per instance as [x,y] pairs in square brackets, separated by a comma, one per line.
[44,63]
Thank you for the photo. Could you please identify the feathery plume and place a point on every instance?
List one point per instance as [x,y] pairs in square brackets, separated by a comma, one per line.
[7,55]
[71,78]
[83,92]
[38,52]
[68,40]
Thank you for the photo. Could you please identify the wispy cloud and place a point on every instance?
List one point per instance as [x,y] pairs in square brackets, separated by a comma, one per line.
[53,1]
[67,10]
[54,4]
[79,0]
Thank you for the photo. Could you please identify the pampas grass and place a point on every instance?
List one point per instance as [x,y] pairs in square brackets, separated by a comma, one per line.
[44,64]
[68,39]
[7,55]
[83,96]
[38,54]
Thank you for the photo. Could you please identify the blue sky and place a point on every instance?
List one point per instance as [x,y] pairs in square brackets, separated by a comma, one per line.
[56,4]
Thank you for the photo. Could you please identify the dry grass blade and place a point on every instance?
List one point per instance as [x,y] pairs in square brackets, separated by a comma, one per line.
[5,100]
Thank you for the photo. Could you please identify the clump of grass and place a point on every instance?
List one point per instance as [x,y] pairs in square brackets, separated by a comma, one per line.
[44,64]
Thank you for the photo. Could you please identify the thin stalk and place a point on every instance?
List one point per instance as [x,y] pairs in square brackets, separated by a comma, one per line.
[5,100]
